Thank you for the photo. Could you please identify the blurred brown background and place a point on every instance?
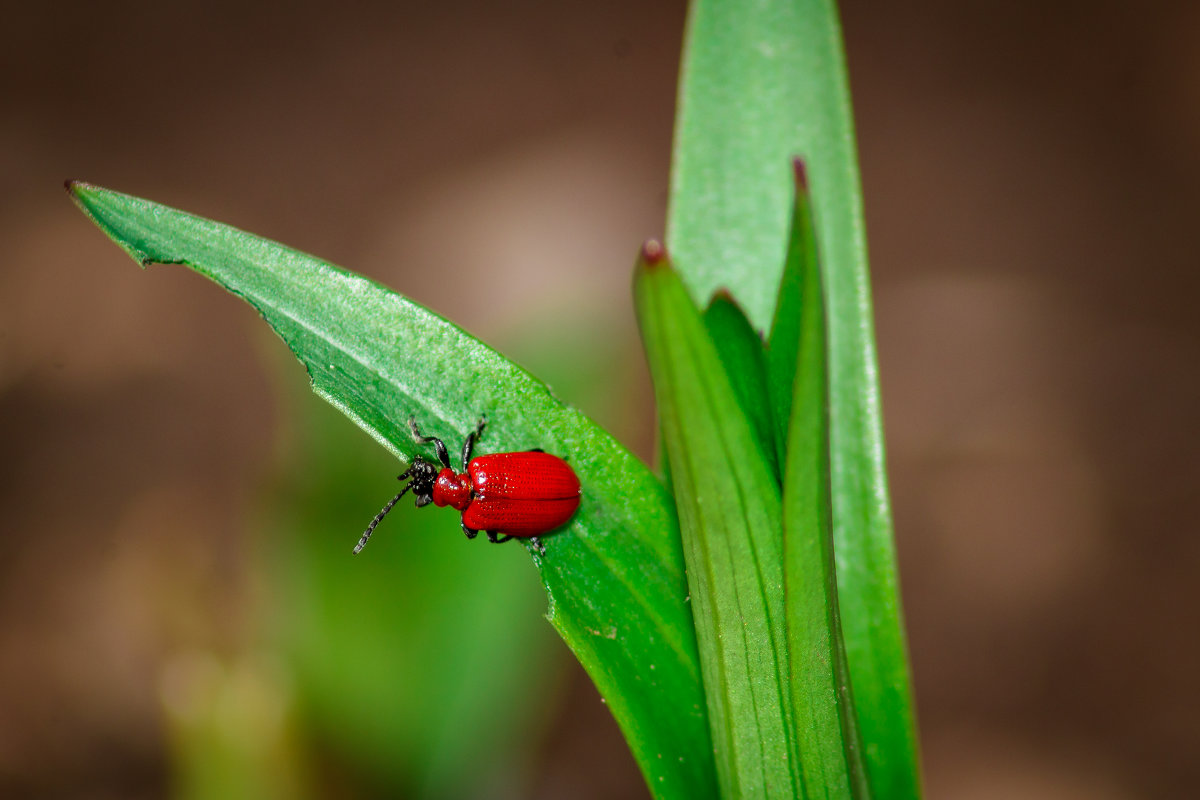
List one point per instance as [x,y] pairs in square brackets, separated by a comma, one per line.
[1030,173]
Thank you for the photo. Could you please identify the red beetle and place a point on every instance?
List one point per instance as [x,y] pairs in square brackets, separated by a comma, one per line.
[514,495]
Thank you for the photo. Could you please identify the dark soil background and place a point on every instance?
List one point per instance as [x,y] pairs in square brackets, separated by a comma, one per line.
[1030,174]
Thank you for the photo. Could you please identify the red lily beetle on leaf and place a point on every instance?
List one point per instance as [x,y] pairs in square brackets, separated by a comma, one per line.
[514,495]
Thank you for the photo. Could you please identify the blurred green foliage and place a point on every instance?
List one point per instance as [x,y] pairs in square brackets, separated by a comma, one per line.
[394,666]
[429,651]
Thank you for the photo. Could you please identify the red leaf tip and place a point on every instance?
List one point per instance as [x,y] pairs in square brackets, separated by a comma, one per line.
[801,173]
[653,253]
[73,185]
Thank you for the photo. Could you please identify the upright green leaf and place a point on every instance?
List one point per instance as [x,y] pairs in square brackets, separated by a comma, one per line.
[826,728]
[614,576]
[762,82]
[729,508]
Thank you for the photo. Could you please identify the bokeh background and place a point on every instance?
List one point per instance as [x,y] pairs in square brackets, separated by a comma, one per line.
[179,615]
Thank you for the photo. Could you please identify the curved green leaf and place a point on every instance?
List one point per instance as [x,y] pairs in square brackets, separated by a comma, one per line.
[761,83]
[614,576]
[729,508]
[783,345]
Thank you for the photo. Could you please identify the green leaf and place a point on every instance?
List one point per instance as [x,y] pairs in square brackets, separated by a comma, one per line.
[760,83]
[740,349]
[783,351]
[826,728]
[729,510]
[614,576]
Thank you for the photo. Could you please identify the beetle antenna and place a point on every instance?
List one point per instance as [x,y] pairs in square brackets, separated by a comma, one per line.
[379,518]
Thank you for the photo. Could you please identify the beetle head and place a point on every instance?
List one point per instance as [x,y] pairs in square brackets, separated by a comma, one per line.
[422,475]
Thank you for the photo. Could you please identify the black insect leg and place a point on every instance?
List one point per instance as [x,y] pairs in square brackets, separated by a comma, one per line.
[469,444]
[494,538]
[470,533]
[439,446]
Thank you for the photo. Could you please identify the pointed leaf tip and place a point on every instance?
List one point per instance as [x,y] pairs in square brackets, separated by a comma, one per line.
[721,295]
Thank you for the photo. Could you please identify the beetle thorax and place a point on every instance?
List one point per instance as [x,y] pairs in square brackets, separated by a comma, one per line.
[452,490]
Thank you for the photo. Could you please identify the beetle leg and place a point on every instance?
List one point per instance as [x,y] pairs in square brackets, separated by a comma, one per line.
[439,446]
[424,500]
[470,533]
[535,450]
[469,444]
[493,537]
[537,545]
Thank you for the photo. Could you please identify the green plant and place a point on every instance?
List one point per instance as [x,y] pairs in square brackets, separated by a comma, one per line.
[737,658]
